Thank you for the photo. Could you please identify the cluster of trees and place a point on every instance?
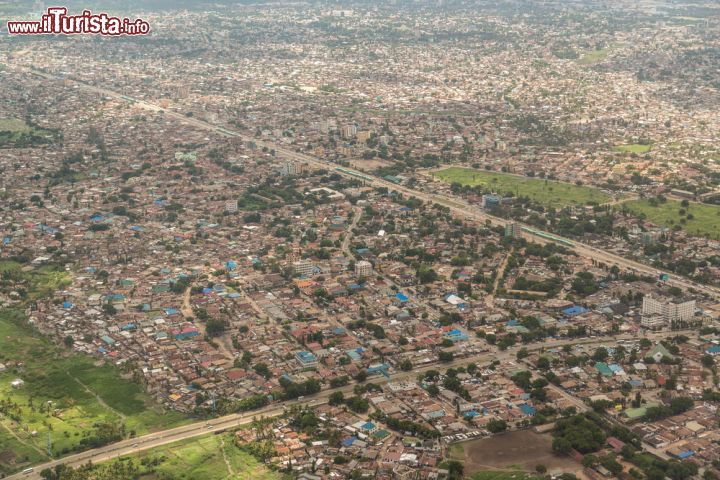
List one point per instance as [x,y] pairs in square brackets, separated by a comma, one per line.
[536,387]
[677,406]
[580,432]
[294,390]
[355,403]
[253,402]
[415,429]
[377,330]
[102,433]
[584,284]
[120,470]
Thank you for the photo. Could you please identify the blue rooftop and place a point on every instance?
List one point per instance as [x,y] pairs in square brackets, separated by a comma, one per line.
[574,310]
[401,296]
[306,357]
[527,409]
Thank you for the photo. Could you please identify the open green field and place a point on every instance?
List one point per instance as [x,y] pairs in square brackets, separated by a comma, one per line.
[592,57]
[705,221]
[16,133]
[205,458]
[545,192]
[64,394]
[633,148]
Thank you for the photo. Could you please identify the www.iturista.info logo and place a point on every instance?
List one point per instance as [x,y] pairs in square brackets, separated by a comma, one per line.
[57,22]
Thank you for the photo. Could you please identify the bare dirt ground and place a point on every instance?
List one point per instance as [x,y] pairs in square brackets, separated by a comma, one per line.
[515,450]
[368,165]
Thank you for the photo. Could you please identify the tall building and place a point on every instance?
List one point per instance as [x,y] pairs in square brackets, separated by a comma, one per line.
[348,131]
[363,268]
[513,230]
[231,206]
[290,168]
[303,267]
[658,310]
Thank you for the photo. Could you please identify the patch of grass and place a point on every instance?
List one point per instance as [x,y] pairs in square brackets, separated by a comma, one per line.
[705,218]
[633,148]
[456,452]
[199,459]
[16,133]
[545,192]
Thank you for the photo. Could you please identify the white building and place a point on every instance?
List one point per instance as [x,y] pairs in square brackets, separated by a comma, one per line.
[669,310]
[363,268]
[303,267]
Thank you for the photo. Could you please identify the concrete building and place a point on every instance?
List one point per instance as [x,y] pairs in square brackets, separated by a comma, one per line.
[231,206]
[363,268]
[668,309]
[652,322]
[348,131]
[303,267]
[513,230]
[289,168]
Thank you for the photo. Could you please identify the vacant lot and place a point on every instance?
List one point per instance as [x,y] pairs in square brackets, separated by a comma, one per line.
[210,457]
[699,219]
[545,192]
[503,456]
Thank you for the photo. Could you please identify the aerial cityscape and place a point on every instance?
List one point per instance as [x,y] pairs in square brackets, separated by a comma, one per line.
[360,239]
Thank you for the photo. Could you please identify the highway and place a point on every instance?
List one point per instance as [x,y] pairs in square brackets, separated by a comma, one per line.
[205,427]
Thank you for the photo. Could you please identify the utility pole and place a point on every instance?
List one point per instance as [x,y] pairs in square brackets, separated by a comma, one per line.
[49,445]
